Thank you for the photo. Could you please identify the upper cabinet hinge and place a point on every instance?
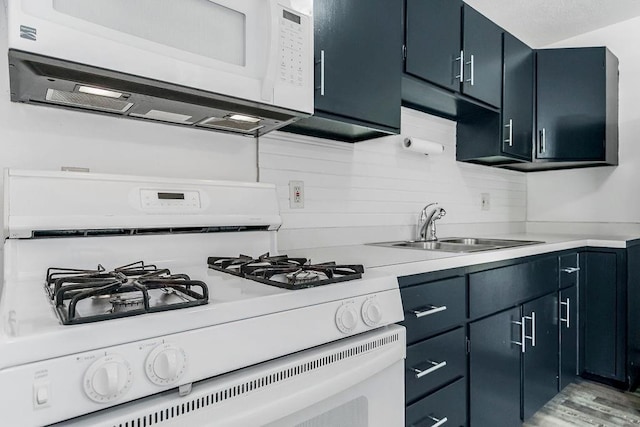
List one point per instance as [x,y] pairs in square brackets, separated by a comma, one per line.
[404,52]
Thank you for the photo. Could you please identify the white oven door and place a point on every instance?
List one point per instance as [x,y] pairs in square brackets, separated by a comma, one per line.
[355,382]
[231,47]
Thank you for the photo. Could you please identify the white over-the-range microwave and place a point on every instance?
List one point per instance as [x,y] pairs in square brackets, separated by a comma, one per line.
[232,65]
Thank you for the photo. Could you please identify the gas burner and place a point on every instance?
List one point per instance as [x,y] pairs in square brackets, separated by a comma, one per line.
[82,296]
[303,276]
[285,272]
[122,303]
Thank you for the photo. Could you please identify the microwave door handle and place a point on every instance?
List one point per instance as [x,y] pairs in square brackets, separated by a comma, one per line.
[268,82]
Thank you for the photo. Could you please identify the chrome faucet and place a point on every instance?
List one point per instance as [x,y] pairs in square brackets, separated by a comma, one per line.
[427,221]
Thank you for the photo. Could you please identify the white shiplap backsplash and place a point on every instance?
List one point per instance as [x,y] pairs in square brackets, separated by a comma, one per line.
[373,190]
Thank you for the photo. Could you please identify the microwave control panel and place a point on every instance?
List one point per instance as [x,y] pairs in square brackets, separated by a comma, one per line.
[292,48]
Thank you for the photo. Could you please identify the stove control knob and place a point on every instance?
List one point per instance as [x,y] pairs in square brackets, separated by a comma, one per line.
[346,318]
[371,312]
[166,364]
[108,378]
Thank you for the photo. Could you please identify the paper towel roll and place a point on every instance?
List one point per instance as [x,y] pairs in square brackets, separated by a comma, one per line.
[422,146]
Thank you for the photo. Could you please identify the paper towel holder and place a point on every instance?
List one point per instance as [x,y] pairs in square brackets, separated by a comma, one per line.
[422,146]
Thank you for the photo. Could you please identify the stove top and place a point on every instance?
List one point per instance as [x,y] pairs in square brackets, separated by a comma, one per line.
[82,296]
[285,272]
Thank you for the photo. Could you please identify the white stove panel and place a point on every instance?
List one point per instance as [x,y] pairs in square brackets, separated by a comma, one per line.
[64,387]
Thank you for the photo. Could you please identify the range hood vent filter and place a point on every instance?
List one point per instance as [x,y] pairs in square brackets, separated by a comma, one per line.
[225,123]
[85,100]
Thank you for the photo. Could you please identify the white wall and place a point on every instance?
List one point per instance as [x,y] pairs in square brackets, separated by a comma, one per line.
[373,190]
[354,193]
[603,199]
[36,137]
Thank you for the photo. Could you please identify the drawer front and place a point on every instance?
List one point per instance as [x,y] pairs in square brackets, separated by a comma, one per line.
[569,270]
[433,363]
[450,403]
[494,290]
[433,307]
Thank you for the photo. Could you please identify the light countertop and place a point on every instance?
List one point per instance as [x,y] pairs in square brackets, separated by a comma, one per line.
[404,262]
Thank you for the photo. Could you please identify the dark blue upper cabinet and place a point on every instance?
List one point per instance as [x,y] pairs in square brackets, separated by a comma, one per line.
[433,41]
[482,52]
[358,56]
[453,63]
[517,99]
[577,105]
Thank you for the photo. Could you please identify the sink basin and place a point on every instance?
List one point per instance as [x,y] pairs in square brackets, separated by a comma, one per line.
[458,244]
[503,243]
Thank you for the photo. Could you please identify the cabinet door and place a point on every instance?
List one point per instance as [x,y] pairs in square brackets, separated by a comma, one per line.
[517,98]
[571,105]
[540,361]
[568,323]
[358,51]
[494,370]
[433,307]
[433,41]
[604,310]
[482,57]
[434,362]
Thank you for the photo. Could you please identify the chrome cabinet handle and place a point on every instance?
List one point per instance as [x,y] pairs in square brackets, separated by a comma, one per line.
[419,373]
[438,421]
[510,139]
[531,337]
[521,343]
[543,140]
[460,75]
[322,73]
[432,309]
[471,73]
[570,270]
[567,304]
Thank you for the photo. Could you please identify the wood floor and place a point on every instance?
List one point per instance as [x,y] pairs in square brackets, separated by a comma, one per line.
[589,404]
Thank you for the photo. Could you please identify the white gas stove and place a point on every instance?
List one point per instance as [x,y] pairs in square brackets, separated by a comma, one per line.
[96,336]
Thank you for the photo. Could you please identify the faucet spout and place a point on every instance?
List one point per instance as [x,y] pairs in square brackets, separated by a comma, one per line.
[426,228]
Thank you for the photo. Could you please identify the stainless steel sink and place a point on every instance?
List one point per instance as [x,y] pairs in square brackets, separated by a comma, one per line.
[458,244]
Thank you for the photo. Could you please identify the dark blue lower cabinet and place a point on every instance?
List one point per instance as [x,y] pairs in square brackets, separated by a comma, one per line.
[494,370]
[433,363]
[446,407]
[568,323]
[514,363]
[540,358]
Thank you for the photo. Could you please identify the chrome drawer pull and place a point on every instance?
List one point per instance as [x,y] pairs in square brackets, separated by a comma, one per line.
[322,72]
[438,421]
[567,302]
[510,139]
[531,337]
[521,343]
[460,76]
[435,367]
[472,71]
[570,270]
[432,309]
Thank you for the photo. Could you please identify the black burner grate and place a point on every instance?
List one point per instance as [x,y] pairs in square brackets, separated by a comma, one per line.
[82,296]
[285,272]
